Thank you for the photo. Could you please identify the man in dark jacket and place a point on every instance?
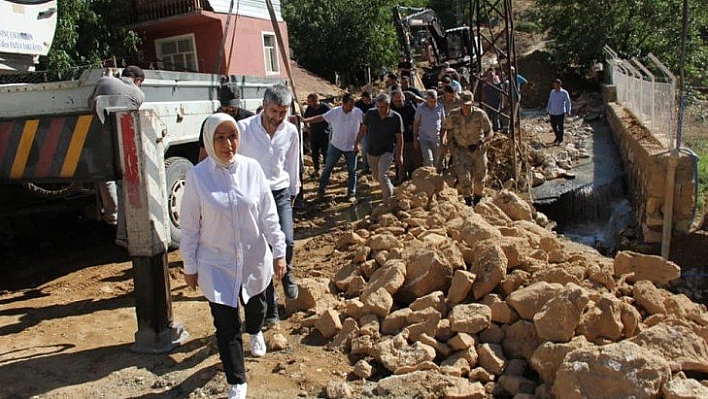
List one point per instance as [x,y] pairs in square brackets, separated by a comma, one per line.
[319,131]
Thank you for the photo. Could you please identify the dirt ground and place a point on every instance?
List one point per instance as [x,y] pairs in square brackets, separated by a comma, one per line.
[67,319]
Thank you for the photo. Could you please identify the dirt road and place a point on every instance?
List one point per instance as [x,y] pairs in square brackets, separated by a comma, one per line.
[67,320]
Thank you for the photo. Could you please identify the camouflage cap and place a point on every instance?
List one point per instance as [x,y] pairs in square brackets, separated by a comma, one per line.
[467,98]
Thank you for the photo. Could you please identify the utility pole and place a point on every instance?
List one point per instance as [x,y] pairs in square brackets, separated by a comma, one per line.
[493,28]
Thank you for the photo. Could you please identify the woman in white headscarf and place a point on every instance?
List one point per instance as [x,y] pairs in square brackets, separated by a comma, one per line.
[228,221]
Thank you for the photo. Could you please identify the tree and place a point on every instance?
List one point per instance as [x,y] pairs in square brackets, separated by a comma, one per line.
[343,37]
[579,29]
[88,32]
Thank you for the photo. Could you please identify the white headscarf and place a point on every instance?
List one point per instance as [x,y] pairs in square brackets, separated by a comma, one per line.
[210,125]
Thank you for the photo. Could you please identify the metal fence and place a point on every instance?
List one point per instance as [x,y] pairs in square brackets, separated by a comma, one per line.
[648,91]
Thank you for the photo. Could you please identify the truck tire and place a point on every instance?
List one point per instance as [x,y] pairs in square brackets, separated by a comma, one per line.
[176,169]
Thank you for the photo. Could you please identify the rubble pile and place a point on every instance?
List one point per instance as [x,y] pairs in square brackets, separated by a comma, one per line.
[474,304]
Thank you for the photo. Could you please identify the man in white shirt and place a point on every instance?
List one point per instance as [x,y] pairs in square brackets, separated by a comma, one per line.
[273,141]
[345,121]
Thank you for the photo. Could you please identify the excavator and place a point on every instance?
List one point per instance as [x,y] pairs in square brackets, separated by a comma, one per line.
[429,46]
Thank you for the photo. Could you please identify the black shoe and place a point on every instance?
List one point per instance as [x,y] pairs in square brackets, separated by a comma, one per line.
[468,201]
[476,199]
[290,286]
[270,322]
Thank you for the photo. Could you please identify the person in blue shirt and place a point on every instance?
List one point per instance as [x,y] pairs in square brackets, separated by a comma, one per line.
[559,105]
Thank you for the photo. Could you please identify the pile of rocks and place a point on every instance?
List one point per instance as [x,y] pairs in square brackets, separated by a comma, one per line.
[468,304]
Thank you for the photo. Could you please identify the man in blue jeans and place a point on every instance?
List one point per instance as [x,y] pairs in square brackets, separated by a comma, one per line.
[559,105]
[271,140]
[428,129]
[345,121]
[364,104]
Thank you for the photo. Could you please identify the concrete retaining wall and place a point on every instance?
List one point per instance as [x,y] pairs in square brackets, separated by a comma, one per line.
[645,161]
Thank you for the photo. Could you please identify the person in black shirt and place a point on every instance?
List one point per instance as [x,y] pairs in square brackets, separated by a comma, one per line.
[230,101]
[319,132]
[417,95]
[405,67]
[364,104]
[411,160]
[385,130]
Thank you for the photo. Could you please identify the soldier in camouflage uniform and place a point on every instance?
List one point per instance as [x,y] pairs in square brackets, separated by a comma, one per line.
[468,131]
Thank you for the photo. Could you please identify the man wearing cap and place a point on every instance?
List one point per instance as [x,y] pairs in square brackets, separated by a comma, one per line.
[128,86]
[384,127]
[468,132]
[230,101]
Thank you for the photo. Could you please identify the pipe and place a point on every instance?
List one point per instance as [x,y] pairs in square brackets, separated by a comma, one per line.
[695,159]
[674,156]
[669,204]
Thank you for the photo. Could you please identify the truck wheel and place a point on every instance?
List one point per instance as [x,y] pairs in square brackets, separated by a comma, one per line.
[176,173]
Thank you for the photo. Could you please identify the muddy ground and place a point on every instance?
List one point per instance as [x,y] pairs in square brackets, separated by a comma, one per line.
[67,320]
[67,315]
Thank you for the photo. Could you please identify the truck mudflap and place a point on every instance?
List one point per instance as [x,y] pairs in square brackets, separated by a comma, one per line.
[56,148]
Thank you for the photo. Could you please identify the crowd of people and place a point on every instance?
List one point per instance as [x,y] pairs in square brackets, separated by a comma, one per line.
[237,208]
[408,127]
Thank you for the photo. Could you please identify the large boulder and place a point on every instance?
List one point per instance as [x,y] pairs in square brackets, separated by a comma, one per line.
[427,271]
[646,267]
[471,230]
[603,321]
[559,317]
[395,321]
[682,307]
[428,180]
[349,238]
[619,370]
[395,353]
[515,207]
[650,298]
[311,291]
[420,384]
[378,302]
[684,350]
[548,357]
[470,318]
[520,340]
[435,300]
[492,213]
[390,277]
[529,300]
[460,287]
[491,358]
[489,268]
[684,388]
[386,241]
[328,323]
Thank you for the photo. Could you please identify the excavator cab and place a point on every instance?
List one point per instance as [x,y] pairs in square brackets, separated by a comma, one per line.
[427,45]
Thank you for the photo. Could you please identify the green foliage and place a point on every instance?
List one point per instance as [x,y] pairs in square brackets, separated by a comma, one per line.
[579,29]
[89,31]
[344,37]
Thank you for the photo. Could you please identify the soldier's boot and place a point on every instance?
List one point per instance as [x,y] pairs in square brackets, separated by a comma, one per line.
[476,199]
[469,201]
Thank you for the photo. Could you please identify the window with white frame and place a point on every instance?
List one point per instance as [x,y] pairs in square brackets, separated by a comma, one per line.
[270,50]
[177,53]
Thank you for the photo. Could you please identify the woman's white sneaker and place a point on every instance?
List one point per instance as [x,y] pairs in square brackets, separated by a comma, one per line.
[238,391]
[258,346]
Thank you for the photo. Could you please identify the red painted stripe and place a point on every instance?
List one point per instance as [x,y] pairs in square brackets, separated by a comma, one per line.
[49,148]
[5,128]
[131,169]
